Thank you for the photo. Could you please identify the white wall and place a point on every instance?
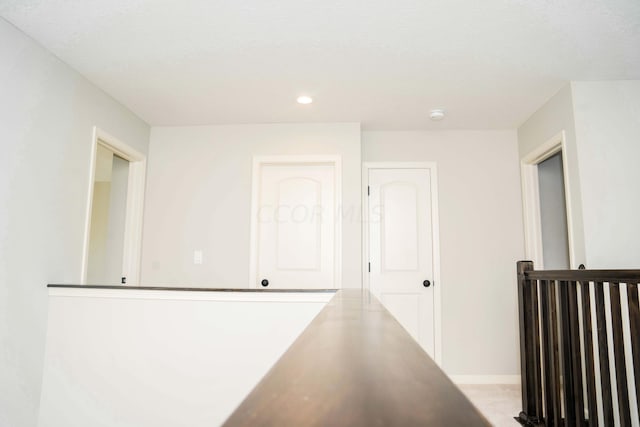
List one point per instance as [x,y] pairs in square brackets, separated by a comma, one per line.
[47,114]
[556,116]
[162,358]
[601,121]
[481,238]
[607,116]
[199,197]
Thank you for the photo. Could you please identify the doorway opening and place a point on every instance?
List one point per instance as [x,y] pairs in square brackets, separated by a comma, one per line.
[553,213]
[113,226]
[547,206]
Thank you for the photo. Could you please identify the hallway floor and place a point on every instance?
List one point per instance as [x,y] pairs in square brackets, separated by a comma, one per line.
[499,403]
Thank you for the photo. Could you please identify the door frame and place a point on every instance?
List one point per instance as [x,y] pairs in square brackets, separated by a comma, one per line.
[435,233]
[258,163]
[134,208]
[531,199]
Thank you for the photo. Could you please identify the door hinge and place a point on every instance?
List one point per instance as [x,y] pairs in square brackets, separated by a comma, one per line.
[368,190]
[369,267]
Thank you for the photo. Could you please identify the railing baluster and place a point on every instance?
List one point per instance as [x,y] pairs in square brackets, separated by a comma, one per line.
[553,410]
[529,346]
[618,354]
[571,415]
[603,354]
[588,357]
[536,372]
[634,323]
[576,359]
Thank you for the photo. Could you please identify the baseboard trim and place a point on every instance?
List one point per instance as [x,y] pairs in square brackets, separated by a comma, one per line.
[485,379]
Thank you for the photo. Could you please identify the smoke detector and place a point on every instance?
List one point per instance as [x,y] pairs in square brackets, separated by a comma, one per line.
[436,115]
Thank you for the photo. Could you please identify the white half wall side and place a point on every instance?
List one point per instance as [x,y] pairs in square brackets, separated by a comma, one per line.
[481,238]
[47,115]
[607,116]
[162,358]
[199,198]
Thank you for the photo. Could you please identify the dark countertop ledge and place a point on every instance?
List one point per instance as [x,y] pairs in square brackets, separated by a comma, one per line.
[355,365]
[184,289]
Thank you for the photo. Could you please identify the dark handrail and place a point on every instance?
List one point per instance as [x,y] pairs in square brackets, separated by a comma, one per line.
[616,276]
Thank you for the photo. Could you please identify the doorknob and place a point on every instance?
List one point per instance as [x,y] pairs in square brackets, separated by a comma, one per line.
[426,283]
[264,282]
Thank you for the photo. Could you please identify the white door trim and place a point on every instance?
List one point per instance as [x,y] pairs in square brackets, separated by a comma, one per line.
[258,162]
[134,209]
[531,199]
[435,225]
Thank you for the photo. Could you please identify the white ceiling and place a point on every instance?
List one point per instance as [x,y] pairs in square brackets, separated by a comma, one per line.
[489,63]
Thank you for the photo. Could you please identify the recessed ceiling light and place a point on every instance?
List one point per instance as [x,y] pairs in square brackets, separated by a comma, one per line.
[304,99]
[436,115]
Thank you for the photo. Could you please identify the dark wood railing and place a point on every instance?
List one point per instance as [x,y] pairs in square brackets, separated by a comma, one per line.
[562,346]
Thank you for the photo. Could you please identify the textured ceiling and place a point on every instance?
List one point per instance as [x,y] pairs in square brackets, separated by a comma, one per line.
[490,64]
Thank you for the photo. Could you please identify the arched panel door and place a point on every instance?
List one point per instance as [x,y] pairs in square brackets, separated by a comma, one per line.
[296,226]
[401,248]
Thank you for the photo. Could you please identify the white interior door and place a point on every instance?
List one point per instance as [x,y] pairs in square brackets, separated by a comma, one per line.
[296,226]
[401,248]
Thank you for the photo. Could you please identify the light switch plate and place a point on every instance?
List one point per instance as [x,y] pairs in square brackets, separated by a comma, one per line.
[197,257]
